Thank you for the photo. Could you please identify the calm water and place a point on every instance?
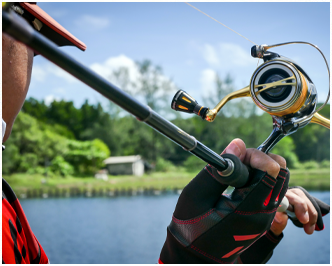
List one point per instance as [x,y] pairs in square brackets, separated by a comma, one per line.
[133,230]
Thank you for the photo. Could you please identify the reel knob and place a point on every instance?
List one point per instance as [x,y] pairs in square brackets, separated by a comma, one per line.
[183,102]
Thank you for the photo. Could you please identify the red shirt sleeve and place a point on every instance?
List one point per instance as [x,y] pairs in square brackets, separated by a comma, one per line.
[19,244]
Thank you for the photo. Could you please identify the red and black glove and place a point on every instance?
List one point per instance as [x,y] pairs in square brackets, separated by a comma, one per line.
[210,227]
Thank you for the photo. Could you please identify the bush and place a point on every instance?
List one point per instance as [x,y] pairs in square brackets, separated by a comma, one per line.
[28,161]
[163,165]
[86,156]
[310,165]
[194,164]
[325,164]
[37,170]
[285,148]
[60,166]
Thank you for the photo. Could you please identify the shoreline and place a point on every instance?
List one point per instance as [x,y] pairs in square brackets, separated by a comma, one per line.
[39,186]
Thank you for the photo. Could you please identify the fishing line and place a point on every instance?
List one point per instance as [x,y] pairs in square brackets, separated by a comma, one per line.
[219,22]
[222,25]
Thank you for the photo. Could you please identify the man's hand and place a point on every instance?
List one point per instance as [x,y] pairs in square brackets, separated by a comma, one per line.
[209,226]
[308,210]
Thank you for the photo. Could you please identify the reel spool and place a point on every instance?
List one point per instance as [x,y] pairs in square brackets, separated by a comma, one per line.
[279,87]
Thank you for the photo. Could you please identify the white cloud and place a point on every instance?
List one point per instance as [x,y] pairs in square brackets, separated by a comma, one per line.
[59,90]
[39,73]
[226,55]
[50,98]
[61,73]
[93,22]
[210,55]
[113,64]
[208,80]
[130,74]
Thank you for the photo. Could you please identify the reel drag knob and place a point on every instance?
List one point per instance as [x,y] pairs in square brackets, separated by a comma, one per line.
[183,102]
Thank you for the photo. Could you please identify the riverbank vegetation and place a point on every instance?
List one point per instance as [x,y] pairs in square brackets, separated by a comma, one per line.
[311,179]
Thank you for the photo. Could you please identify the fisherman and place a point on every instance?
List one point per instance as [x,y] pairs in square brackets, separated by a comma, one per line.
[206,226]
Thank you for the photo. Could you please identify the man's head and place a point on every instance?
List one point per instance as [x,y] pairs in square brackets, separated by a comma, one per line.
[17,59]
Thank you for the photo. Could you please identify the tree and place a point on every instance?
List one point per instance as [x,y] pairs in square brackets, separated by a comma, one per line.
[33,144]
[153,86]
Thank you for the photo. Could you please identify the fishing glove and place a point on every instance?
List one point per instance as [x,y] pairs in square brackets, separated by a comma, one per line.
[321,208]
[210,227]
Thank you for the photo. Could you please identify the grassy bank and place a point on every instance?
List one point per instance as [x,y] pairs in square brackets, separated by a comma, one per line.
[315,179]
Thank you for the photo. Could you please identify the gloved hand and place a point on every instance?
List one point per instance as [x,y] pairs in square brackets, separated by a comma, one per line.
[211,227]
[316,209]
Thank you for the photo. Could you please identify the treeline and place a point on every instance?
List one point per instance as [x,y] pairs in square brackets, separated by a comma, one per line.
[69,140]
[76,140]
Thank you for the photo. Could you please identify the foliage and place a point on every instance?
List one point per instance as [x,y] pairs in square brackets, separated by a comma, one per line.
[60,167]
[163,165]
[34,144]
[285,148]
[193,164]
[31,143]
[325,164]
[313,141]
[86,156]
[310,165]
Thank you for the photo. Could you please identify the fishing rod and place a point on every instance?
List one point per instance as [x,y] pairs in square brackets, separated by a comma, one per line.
[232,170]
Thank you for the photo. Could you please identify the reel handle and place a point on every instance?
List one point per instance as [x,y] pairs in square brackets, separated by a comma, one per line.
[183,102]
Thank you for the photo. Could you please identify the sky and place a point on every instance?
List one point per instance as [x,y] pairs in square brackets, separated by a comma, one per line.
[189,46]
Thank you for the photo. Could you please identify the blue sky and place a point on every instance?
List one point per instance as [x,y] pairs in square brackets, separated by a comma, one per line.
[189,46]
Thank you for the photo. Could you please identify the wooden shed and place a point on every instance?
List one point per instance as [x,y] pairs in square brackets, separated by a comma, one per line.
[125,165]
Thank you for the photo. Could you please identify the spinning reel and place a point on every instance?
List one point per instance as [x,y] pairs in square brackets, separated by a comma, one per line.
[279,87]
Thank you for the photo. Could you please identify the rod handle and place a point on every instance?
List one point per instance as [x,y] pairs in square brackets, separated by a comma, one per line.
[236,174]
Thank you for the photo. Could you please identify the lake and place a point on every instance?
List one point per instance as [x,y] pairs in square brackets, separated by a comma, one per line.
[133,230]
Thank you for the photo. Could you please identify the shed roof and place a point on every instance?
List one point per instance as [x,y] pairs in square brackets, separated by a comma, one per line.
[122,159]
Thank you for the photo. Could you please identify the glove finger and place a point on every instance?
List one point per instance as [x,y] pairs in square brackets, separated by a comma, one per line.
[283,174]
[325,208]
[279,190]
[254,196]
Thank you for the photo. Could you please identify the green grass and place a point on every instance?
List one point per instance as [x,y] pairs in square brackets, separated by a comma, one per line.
[312,179]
